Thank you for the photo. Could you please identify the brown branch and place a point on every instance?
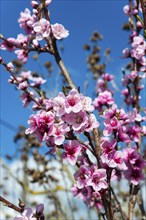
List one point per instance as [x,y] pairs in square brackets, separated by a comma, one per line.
[10,205]
[143,6]
[17,83]
[132,201]
[123,215]
[18,46]
[141,206]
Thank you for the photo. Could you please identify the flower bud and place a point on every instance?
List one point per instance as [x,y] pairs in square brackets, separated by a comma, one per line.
[23,85]
[34,4]
[10,66]
[39,209]
[48,2]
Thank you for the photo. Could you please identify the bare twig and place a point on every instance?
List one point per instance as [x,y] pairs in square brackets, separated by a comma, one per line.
[10,205]
[123,215]
[143,6]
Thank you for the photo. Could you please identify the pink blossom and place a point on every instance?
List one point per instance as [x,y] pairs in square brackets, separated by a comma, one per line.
[92,123]
[22,39]
[22,55]
[138,52]
[37,81]
[107,76]
[130,155]
[87,104]
[59,104]
[73,102]
[26,20]
[26,74]
[122,134]
[81,176]
[134,116]
[47,2]
[108,146]
[125,92]
[8,45]
[41,124]
[96,200]
[35,43]
[115,159]
[78,120]
[59,31]
[26,215]
[26,99]
[133,74]
[129,10]
[23,85]
[72,150]
[134,132]
[58,132]
[98,180]
[137,40]
[135,176]
[126,53]
[42,29]
[10,66]
[111,112]
[34,4]
[104,98]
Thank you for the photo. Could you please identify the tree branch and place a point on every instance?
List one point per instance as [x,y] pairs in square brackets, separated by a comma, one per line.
[10,205]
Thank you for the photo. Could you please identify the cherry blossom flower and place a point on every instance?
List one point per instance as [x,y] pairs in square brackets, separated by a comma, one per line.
[26,74]
[126,53]
[108,146]
[103,99]
[42,29]
[98,180]
[34,4]
[47,2]
[26,20]
[26,215]
[8,45]
[73,102]
[72,150]
[10,66]
[135,176]
[23,85]
[22,55]
[81,176]
[114,159]
[41,124]
[59,104]
[58,132]
[26,98]
[92,123]
[59,31]
[37,81]
[130,11]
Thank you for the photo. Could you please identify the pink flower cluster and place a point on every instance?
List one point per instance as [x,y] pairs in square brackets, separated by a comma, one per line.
[36,29]
[102,83]
[91,184]
[121,125]
[104,99]
[28,213]
[25,80]
[64,115]
[135,163]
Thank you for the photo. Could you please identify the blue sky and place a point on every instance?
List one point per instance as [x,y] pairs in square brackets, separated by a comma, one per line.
[81,18]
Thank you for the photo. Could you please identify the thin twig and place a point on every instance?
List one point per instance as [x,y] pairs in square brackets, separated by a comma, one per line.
[123,215]
[17,83]
[143,6]
[10,205]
